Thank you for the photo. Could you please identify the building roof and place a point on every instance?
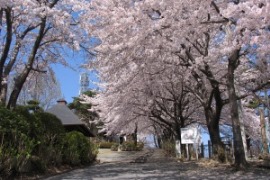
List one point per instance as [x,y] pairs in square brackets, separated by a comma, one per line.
[65,114]
[69,119]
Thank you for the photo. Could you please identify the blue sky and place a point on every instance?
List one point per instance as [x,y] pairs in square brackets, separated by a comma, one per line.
[69,80]
[69,77]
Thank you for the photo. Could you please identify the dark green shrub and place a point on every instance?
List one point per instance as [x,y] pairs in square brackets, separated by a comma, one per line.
[105,144]
[93,151]
[71,154]
[77,149]
[34,165]
[140,146]
[37,165]
[30,142]
[169,148]
[16,145]
[114,147]
[51,133]
[130,146]
[50,124]
[47,131]
[34,130]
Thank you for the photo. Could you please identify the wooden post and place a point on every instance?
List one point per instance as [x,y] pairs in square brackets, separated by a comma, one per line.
[187,151]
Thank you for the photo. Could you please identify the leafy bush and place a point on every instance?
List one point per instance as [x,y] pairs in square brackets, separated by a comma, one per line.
[51,133]
[140,146]
[93,151]
[105,144]
[114,147]
[30,142]
[47,131]
[169,148]
[77,149]
[130,146]
[16,144]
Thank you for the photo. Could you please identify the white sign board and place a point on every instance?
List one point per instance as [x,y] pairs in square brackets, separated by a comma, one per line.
[190,135]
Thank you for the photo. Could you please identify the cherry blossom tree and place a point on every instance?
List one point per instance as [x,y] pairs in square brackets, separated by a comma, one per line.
[151,99]
[159,43]
[212,39]
[39,31]
[42,87]
[241,34]
[174,105]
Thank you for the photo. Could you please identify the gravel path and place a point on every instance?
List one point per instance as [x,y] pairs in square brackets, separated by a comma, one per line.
[156,166]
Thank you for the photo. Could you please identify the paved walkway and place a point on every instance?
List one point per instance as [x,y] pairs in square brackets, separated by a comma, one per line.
[147,155]
[152,164]
[108,156]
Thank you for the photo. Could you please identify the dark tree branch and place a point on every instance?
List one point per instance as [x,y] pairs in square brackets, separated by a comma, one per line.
[38,70]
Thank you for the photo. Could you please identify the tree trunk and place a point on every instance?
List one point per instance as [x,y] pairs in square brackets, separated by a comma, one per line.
[178,131]
[5,52]
[157,138]
[263,133]
[212,120]
[267,119]
[135,135]
[178,141]
[213,105]
[3,95]
[239,152]
[242,127]
[8,68]
[217,145]
[159,142]
[23,76]
[19,81]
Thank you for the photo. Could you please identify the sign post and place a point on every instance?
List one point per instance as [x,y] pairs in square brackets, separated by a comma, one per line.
[191,136]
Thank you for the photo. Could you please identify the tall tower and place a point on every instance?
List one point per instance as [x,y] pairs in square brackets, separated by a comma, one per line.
[84,83]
